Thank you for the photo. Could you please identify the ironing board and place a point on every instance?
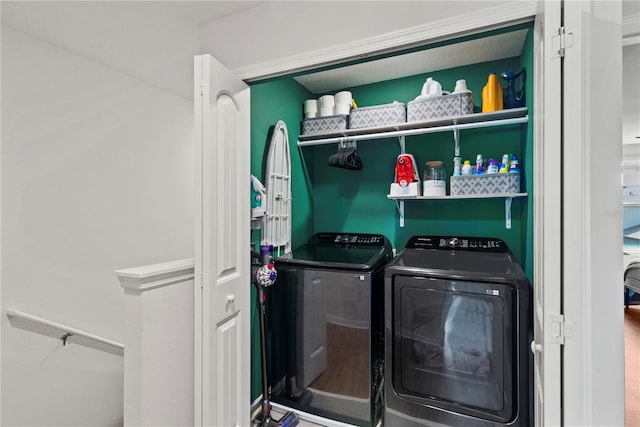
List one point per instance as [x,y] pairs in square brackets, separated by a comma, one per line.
[276,224]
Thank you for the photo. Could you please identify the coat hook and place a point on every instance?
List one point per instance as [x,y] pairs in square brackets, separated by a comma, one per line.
[65,337]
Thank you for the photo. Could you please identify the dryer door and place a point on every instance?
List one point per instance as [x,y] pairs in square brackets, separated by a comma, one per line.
[454,346]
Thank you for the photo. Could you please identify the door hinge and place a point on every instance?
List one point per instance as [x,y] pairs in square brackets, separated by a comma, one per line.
[559,328]
[562,41]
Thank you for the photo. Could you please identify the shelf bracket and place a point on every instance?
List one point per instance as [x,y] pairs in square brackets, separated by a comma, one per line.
[402,144]
[507,212]
[400,207]
[456,140]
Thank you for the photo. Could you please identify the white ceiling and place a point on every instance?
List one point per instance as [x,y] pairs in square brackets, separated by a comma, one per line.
[439,58]
[153,41]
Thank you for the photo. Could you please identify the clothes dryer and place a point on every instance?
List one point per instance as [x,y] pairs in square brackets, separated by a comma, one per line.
[457,323]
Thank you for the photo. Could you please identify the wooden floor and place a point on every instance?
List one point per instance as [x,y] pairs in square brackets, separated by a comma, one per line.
[347,370]
[632,366]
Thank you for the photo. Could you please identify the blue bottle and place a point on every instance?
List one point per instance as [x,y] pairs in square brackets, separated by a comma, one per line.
[513,166]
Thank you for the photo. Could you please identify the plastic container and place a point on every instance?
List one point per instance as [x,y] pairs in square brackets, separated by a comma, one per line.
[457,167]
[466,168]
[435,179]
[514,167]
[479,169]
[492,95]
[493,166]
[504,167]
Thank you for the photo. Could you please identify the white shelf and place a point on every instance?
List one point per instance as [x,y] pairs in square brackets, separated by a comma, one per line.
[458,197]
[468,121]
[508,198]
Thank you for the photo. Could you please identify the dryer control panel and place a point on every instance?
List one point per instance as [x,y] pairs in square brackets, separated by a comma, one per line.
[480,244]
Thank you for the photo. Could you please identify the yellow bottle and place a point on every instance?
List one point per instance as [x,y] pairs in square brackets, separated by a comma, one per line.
[492,94]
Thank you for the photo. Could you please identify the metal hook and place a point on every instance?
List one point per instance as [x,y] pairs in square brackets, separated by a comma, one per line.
[65,337]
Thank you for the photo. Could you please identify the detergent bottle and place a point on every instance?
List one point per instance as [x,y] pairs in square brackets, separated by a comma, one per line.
[492,95]
[513,98]
[430,88]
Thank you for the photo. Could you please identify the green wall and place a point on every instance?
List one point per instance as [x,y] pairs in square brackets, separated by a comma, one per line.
[271,101]
[356,201]
[332,199]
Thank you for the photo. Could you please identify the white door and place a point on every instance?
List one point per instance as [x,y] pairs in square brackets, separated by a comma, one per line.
[222,264]
[547,285]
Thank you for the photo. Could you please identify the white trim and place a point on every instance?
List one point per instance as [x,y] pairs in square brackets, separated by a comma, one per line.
[506,14]
[140,279]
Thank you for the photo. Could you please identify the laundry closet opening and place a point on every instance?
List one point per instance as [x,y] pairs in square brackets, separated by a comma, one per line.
[330,199]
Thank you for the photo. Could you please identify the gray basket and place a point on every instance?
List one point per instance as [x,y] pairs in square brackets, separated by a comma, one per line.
[328,124]
[499,183]
[456,104]
[378,115]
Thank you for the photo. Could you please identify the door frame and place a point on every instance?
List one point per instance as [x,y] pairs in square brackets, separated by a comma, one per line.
[592,205]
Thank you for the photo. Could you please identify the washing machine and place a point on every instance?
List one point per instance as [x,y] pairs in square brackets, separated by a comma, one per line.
[457,327]
[326,327]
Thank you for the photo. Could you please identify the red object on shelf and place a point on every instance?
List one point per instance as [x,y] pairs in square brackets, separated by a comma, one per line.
[405,170]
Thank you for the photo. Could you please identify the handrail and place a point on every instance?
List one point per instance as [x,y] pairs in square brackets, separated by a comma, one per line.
[65,333]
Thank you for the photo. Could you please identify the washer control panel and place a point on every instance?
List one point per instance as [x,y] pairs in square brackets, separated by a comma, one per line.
[481,244]
[352,239]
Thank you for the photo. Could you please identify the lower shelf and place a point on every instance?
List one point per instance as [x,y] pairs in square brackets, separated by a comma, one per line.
[466,196]
[508,198]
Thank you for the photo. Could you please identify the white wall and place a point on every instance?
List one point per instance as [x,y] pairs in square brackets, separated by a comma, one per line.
[96,175]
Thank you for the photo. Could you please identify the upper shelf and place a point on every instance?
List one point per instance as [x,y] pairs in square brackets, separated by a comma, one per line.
[467,121]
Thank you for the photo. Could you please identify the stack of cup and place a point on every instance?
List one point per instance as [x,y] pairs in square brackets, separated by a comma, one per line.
[310,108]
[326,104]
[342,102]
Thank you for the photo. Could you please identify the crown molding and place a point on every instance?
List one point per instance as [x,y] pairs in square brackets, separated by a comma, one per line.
[509,14]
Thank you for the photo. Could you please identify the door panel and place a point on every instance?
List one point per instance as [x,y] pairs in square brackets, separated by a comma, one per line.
[222,372]
[227,396]
[547,211]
